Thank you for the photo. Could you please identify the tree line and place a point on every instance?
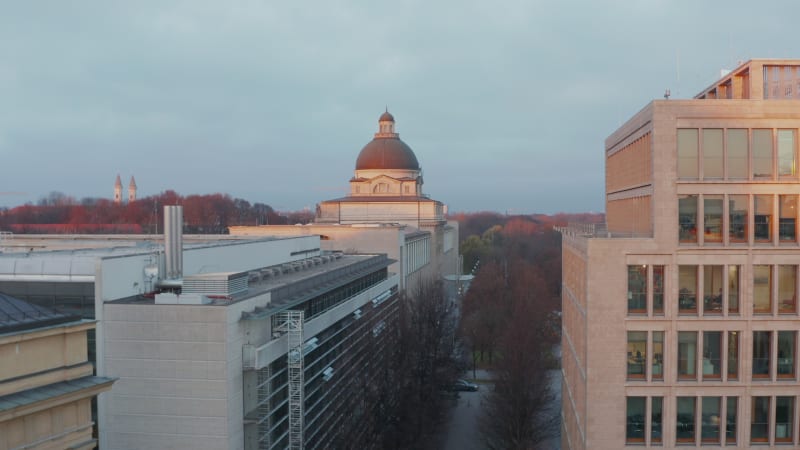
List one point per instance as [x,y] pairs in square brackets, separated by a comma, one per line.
[202,214]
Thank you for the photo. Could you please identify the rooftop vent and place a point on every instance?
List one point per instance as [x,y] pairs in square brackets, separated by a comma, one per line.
[216,284]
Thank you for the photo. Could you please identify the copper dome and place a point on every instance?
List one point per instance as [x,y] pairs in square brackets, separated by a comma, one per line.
[387,153]
[386,117]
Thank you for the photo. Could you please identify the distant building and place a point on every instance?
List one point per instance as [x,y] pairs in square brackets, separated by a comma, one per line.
[46,381]
[385,212]
[118,190]
[680,314]
[132,190]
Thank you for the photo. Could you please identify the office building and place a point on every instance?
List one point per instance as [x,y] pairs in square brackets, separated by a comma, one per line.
[680,316]
[220,341]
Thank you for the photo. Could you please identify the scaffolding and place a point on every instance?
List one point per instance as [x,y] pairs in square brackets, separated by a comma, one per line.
[291,323]
[264,408]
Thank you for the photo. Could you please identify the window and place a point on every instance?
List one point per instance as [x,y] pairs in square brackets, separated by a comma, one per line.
[710,419]
[787,289]
[733,355]
[762,289]
[759,420]
[658,289]
[761,350]
[733,289]
[737,153]
[634,430]
[687,293]
[712,289]
[687,354]
[786,354]
[712,218]
[656,421]
[784,411]
[730,421]
[687,218]
[712,355]
[712,153]
[657,371]
[787,164]
[762,153]
[762,223]
[787,218]
[637,289]
[687,153]
[737,218]
[637,354]
[684,423]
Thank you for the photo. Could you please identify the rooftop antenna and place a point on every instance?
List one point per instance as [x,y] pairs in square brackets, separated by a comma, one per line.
[666,94]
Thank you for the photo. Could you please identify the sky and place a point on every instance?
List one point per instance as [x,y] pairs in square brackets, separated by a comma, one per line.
[505,104]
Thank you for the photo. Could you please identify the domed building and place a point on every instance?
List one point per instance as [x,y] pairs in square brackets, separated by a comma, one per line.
[386,187]
[385,212]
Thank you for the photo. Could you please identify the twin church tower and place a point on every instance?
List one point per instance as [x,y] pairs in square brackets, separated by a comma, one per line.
[118,190]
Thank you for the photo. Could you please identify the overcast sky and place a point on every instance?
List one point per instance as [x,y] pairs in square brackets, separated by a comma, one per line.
[506,104]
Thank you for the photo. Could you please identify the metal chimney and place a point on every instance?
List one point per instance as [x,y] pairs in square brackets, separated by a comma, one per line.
[173,241]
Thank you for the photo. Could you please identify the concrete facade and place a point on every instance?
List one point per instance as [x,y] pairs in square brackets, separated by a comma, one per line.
[680,315]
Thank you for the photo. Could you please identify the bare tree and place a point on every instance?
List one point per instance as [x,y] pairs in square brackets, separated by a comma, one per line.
[426,363]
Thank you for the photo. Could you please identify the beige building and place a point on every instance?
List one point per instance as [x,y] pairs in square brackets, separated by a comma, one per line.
[386,211]
[680,315]
[46,381]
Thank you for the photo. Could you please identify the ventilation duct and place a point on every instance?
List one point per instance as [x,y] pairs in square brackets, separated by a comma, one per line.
[173,241]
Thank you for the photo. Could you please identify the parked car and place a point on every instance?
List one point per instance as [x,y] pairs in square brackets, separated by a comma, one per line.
[464,385]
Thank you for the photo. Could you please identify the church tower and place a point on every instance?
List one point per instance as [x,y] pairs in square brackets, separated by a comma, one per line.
[118,191]
[132,190]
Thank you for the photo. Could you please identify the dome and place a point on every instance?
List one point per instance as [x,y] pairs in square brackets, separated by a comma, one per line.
[387,153]
[386,117]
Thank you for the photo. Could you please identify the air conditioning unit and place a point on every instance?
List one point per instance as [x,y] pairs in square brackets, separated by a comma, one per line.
[357,314]
[327,374]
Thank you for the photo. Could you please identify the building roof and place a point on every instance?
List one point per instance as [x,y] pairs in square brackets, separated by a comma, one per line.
[43,393]
[382,199]
[387,153]
[386,117]
[19,315]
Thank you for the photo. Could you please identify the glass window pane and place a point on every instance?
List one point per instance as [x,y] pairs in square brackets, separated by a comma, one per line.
[658,355]
[762,217]
[786,354]
[687,354]
[687,293]
[733,289]
[637,353]
[762,289]
[787,164]
[712,218]
[784,412]
[712,354]
[687,153]
[710,419]
[635,419]
[737,218]
[658,289]
[759,416]
[637,289]
[684,424]
[712,153]
[731,420]
[737,153]
[761,354]
[762,153]
[687,218]
[787,289]
[733,355]
[787,222]
[712,289]
[656,420]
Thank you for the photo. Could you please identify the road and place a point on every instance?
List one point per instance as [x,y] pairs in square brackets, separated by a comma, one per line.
[462,431]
